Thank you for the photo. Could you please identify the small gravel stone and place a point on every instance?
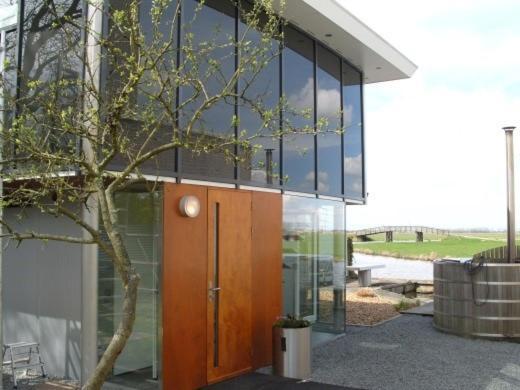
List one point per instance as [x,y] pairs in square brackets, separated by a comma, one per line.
[407,353]
[365,307]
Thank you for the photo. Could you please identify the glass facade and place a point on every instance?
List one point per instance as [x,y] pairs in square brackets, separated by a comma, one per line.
[140,219]
[353,133]
[51,55]
[158,111]
[298,82]
[328,102]
[309,78]
[8,73]
[257,109]
[212,25]
[314,261]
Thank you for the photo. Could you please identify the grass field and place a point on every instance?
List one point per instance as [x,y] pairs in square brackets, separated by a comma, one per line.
[484,235]
[404,237]
[452,246]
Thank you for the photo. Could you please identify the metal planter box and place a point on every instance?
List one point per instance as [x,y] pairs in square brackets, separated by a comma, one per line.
[292,352]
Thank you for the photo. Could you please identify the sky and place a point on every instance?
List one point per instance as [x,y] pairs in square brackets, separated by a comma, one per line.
[435,151]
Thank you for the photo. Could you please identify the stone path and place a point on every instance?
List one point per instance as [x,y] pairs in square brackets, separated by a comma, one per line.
[408,353]
[256,381]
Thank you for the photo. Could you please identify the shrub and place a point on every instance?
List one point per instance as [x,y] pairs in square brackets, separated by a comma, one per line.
[291,322]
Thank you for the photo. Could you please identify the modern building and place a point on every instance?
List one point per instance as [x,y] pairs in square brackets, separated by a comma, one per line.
[268,240]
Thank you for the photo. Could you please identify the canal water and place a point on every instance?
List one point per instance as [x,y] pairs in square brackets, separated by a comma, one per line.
[396,268]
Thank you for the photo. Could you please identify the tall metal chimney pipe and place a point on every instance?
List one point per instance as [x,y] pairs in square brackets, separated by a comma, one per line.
[511,232]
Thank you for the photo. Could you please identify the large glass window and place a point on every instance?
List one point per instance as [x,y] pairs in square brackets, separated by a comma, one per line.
[140,216]
[211,38]
[298,82]
[52,53]
[209,57]
[8,38]
[328,75]
[314,261]
[258,114]
[150,117]
[352,116]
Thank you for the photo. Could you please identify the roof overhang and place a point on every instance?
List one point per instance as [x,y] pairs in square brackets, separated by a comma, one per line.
[329,22]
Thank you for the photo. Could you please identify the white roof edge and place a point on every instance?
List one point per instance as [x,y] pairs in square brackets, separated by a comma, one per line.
[330,22]
[378,40]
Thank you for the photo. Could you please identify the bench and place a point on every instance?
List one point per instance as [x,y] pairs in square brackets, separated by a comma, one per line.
[364,273]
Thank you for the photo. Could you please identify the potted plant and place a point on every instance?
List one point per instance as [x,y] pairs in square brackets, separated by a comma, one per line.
[292,347]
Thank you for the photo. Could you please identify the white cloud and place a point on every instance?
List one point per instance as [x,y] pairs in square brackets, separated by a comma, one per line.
[353,165]
[347,114]
[435,151]
[323,180]
[304,98]
[329,100]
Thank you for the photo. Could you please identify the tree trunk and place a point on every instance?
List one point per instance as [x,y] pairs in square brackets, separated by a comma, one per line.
[118,342]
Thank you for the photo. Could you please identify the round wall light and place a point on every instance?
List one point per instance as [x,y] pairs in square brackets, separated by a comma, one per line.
[189,206]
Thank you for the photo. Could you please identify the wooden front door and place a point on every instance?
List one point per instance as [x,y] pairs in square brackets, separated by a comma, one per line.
[229,284]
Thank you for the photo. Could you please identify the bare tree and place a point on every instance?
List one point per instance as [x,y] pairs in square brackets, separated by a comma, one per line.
[71,138]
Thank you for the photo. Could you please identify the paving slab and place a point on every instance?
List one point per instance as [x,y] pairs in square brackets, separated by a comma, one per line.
[423,310]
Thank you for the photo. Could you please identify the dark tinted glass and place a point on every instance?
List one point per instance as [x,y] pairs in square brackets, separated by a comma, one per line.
[212,27]
[329,117]
[298,80]
[150,118]
[352,114]
[52,53]
[9,87]
[260,160]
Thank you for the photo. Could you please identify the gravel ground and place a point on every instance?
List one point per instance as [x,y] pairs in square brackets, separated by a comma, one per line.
[365,307]
[408,353]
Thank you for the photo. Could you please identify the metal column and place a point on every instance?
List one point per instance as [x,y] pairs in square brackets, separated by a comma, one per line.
[511,232]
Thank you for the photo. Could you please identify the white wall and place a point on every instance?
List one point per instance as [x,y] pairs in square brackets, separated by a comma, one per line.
[42,293]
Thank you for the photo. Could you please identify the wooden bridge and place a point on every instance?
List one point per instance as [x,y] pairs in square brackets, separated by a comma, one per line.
[390,230]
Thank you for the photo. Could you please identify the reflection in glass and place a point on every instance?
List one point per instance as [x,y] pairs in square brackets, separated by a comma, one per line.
[314,261]
[148,100]
[260,164]
[211,26]
[298,80]
[140,221]
[8,72]
[353,141]
[52,53]
[329,112]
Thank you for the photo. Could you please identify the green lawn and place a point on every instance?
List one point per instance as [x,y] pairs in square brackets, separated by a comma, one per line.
[485,235]
[451,246]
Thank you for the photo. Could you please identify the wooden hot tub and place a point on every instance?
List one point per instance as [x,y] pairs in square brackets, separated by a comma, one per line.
[484,303]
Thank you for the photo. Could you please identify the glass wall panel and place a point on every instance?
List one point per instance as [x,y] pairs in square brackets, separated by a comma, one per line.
[8,72]
[260,162]
[140,216]
[150,114]
[209,35]
[353,141]
[314,261]
[328,104]
[298,84]
[50,55]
